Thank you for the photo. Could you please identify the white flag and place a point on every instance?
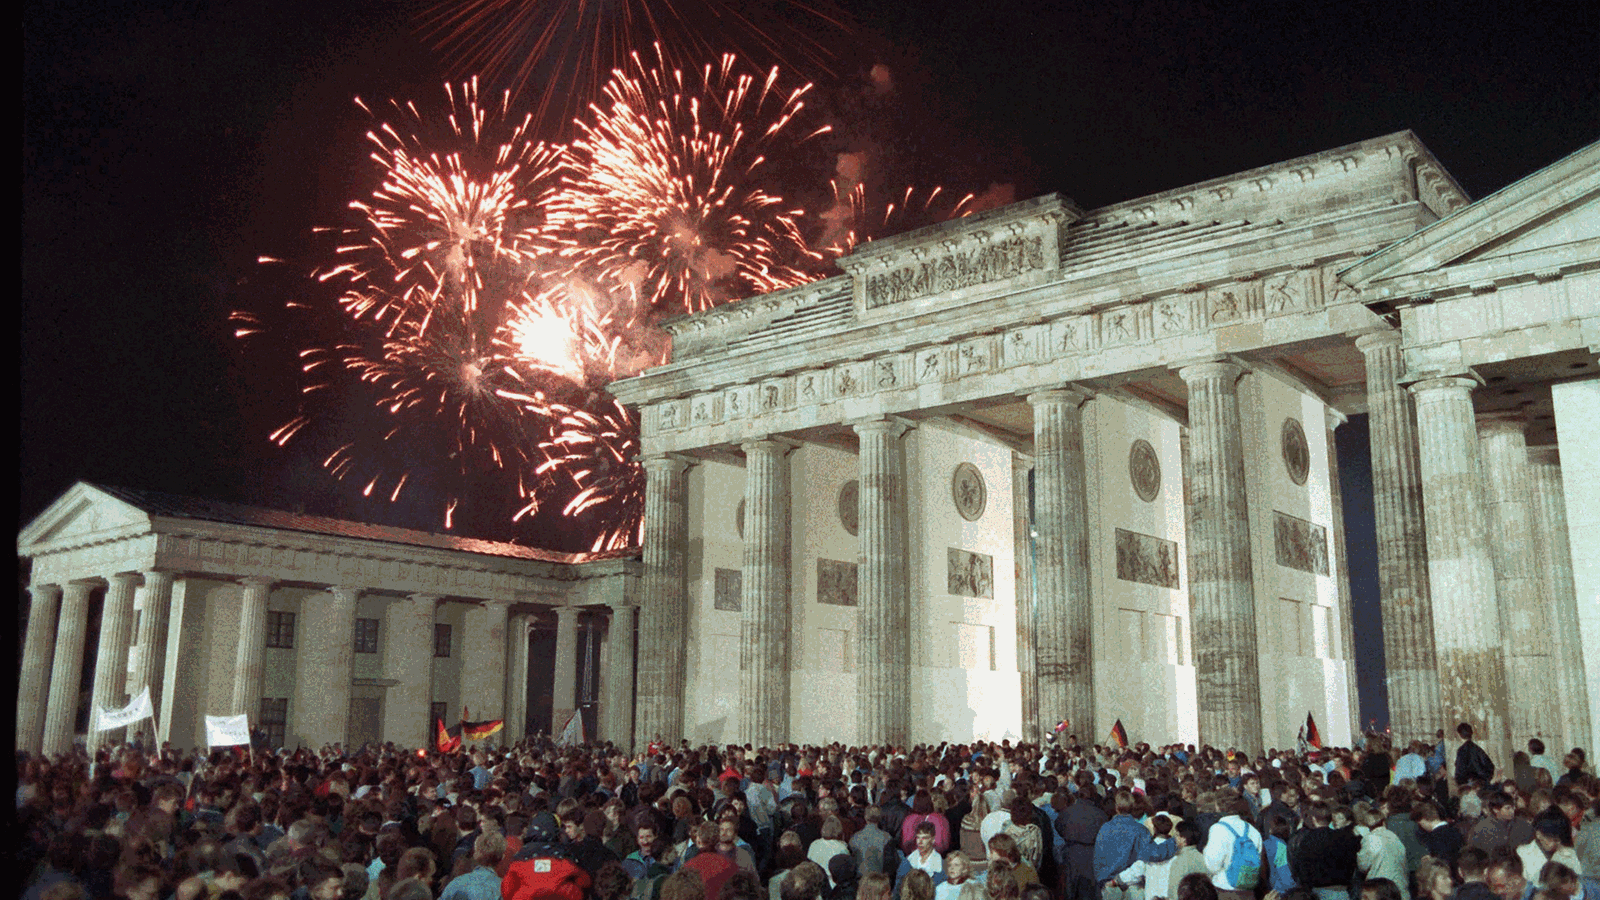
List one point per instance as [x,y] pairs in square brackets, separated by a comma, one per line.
[139,708]
[572,734]
[227,731]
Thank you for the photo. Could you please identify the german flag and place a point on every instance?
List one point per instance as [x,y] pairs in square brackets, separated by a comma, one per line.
[477,731]
[1313,736]
[447,740]
[1119,735]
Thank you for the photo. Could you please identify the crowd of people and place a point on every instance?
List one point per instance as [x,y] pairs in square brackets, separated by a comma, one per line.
[977,821]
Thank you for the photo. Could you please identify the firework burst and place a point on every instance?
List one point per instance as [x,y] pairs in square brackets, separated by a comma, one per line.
[670,197]
[854,220]
[595,448]
[568,48]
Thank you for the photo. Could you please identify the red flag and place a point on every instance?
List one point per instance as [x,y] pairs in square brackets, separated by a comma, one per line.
[1119,735]
[445,740]
[1313,737]
[1062,725]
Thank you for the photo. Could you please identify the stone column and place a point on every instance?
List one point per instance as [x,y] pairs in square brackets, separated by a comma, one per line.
[150,663]
[111,657]
[764,595]
[517,678]
[251,646]
[37,650]
[1341,571]
[61,715]
[408,659]
[617,709]
[326,664]
[1466,616]
[564,696]
[1566,647]
[483,663]
[1064,640]
[1221,580]
[664,601]
[1519,581]
[883,700]
[1022,551]
[1407,607]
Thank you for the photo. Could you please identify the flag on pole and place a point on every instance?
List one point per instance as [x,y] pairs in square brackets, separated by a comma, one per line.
[1313,737]
[572,732]
[138,708]
[228,731]
[1062,725]
[447,740]
[477,731]
[1119,735]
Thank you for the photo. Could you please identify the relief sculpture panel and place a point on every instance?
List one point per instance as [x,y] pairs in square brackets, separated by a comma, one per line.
[729,586]
[1147,559]
[836,582]
[1300,544]
[970,574]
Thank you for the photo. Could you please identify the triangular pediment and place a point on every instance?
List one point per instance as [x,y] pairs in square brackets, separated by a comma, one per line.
[1545,225]
[84,514]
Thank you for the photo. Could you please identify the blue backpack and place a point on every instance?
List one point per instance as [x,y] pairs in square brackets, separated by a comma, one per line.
[1244,863]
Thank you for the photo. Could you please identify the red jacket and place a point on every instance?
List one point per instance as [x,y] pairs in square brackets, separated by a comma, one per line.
[540,877]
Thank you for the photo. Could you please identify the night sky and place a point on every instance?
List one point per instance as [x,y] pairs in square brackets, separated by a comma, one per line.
[167,146]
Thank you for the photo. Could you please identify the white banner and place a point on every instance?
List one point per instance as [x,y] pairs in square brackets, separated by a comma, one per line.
[140,708]
[572,734]
[227,731]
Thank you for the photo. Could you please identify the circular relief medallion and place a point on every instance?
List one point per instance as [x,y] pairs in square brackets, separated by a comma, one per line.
[1296,455]
[850,506]
[1144,469]
[966,488]
[738,519]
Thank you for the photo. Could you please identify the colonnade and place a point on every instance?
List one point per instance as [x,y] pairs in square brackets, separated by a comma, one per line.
[493,676]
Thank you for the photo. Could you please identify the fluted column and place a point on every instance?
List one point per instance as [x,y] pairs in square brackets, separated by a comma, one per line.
[1341,569]
[1466,607]
[37,651]
[111,657]
[1406,604]
[764,595]
[1022,550]
[617,709]
[1556,555]
[483,664]
[517,678]
[326,666]
[883,707]
[564,696]
[407,646]
[664,601]
[1525,622]
[150,662]
[1221,580]
[251,646]
[1064,639]
[61,715]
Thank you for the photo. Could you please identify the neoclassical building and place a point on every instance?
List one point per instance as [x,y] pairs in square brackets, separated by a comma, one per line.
[1036,465]
[1042,464]
[321,630]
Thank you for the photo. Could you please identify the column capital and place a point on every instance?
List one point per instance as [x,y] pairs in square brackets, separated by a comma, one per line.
[1370,341]
[1072,394]
[892,427]
[1021,462]
[1464,383]
[129,579]
[566,613]
[82,587]
[664,464]
[769,443]
[1333,417]
[1548,455]
[1218,369]
[53,591]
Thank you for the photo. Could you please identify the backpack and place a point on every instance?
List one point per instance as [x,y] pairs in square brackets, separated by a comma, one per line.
[1244,863]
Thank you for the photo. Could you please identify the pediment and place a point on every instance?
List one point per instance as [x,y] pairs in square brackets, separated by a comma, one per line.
[85,514]
[1541,226]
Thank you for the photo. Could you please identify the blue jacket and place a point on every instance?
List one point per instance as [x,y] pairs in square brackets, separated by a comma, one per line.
[1121,842]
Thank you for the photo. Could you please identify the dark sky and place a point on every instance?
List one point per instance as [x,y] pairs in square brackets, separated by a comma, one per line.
[167,146]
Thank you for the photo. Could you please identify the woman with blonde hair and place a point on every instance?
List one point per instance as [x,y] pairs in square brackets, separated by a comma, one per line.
[957,870]
[1434,881]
